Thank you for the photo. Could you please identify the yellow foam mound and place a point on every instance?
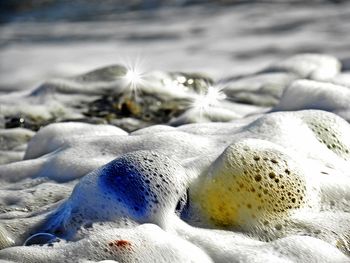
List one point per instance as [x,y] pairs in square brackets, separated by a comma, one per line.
[252,182]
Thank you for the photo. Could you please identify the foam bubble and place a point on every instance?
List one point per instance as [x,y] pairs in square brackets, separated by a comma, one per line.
[252,183]
[330,130]
[143,186]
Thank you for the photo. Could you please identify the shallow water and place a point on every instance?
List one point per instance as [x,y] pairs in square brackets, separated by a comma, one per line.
[219,40]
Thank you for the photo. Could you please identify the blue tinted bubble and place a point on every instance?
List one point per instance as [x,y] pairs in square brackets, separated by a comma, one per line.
[126,184]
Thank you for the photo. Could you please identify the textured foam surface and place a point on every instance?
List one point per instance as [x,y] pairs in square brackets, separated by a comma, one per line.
[252,182]
[260,184]
[237,180]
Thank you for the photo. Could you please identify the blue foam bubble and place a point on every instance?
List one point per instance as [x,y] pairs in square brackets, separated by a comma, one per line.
[124,180]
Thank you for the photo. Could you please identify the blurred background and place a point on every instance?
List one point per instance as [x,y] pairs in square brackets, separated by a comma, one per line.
[42,39]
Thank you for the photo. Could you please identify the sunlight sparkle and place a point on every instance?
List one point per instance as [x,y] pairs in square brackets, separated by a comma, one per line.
[203,102]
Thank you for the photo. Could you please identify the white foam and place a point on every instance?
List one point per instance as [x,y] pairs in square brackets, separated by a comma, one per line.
[254,186]
[306,94]
[313,66]
[54,136]
[297,143]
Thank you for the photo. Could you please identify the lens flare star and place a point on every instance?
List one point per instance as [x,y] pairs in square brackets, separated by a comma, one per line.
[203,102]
[135,76]
[134,79]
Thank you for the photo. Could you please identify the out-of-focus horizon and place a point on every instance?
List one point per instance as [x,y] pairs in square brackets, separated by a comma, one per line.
[42,39]
[85,10]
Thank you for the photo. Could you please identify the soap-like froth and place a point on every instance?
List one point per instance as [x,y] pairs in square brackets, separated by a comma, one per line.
[331,131]
[252,182]
[145,182]
[143,186]
[54,136]
[68,162]
[281,177]
[149,243]
[257,175]
[146,243]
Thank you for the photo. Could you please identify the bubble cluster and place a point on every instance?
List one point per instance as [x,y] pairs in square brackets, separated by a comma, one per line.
[251,176]
[146,183]
[141,186]
[252,183]
[260,185]
[330,130]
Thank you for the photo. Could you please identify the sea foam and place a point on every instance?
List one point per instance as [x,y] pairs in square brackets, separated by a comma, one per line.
[270,184]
